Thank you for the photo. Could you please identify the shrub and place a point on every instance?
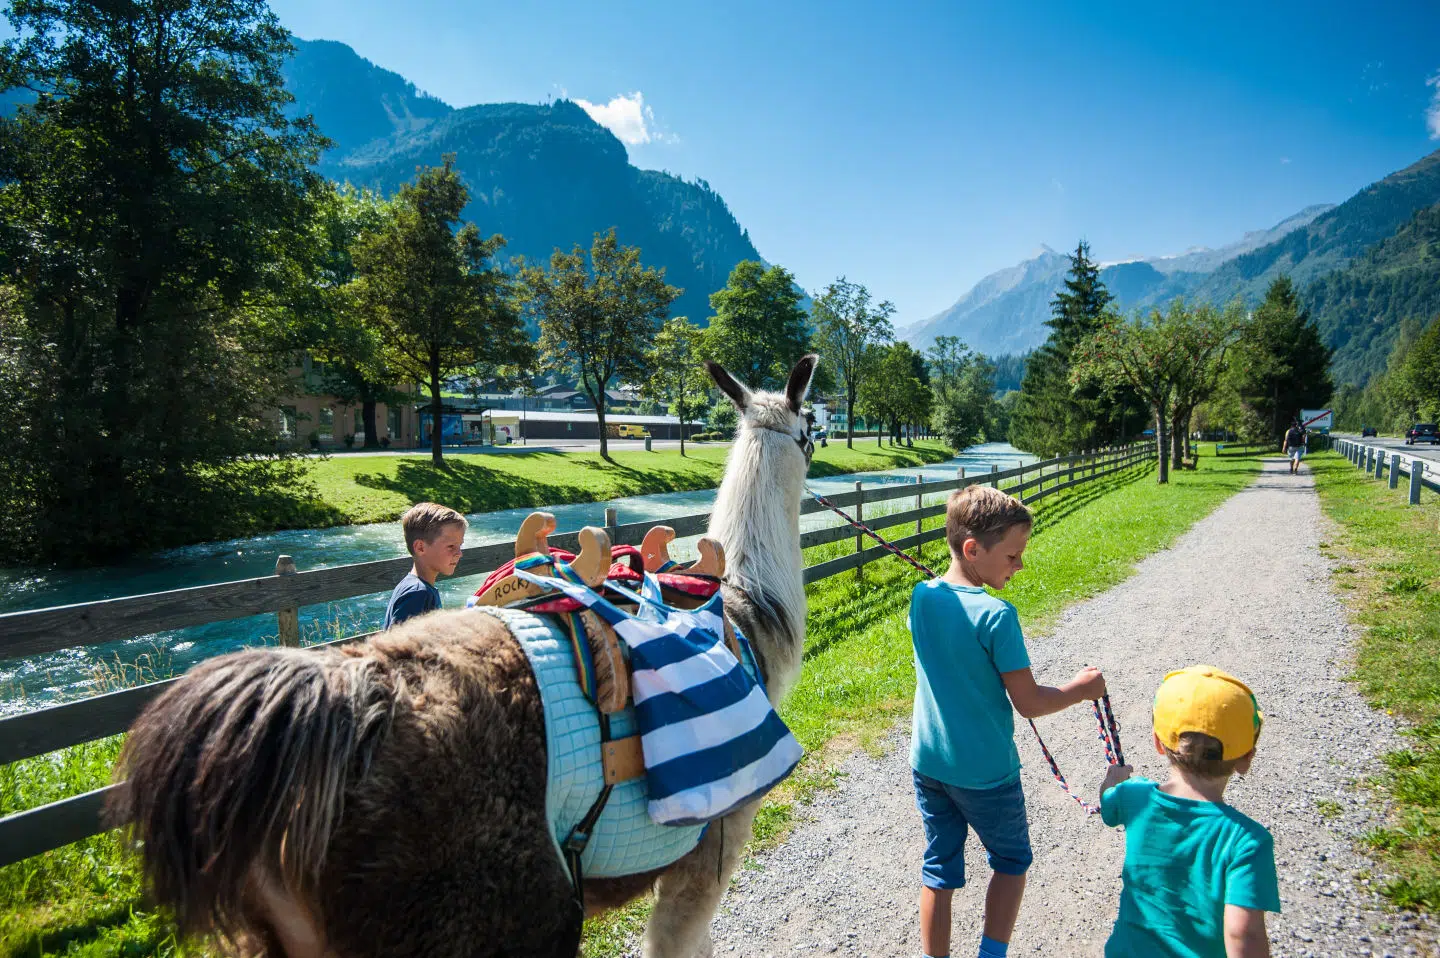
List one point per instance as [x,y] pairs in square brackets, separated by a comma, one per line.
[724,419]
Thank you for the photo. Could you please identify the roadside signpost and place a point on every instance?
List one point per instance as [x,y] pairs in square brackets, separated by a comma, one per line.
[1317,420]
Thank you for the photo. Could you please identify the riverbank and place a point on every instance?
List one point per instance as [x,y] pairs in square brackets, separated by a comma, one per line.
[363,489]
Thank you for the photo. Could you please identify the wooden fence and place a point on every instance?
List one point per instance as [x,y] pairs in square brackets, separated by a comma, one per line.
[45,730]
[1377,460]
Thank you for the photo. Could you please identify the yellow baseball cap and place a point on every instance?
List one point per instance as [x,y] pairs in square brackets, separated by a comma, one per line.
[1205,699]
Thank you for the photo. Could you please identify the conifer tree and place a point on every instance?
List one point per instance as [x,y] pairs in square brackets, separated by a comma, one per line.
[1055,415]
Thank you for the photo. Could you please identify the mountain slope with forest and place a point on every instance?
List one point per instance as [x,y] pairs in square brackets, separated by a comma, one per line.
[1359,309]
[1006,311]
[542,175]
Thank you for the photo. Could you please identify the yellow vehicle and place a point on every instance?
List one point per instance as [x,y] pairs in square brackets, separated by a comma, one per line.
[631,430]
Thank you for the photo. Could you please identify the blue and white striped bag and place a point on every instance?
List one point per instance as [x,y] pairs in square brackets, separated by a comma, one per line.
[711,739]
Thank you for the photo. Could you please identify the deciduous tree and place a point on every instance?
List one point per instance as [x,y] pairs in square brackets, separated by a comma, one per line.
[597,321]
[676,374]
[849,332]
[152,195]
[758,331]
[433,291]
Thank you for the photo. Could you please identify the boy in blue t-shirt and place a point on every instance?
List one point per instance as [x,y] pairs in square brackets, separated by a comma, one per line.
[969,656]
[434,535]
[1199,876]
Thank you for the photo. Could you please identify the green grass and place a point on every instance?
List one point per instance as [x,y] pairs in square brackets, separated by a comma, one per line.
[858,681]
[1390,573]
[381,488]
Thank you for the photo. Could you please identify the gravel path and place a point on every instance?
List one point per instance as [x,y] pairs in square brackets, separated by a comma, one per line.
[1248,590]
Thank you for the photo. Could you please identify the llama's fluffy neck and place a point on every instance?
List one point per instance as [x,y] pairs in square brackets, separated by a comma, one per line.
[757,520]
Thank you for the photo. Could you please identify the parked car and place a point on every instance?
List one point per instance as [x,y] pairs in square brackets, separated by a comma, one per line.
[1422,432]
[1368,431]
[631,430]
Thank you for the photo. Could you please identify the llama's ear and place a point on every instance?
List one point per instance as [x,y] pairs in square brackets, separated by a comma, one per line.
[728,384]
[799,383]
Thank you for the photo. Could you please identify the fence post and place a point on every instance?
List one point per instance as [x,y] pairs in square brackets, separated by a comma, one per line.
[994,483]
[918,504]
[611,521]
[289,618]
[1072,469]
[1379,462]
[1394,470]
[859,537]
[961,475]
[1417,473]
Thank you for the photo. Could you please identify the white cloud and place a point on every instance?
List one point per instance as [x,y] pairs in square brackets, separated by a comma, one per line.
[1432,115]
[1284,161]
[628,118]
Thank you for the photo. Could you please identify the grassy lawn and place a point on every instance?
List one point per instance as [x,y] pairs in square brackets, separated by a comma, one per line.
[380,488]
[85,899]
[1390,555]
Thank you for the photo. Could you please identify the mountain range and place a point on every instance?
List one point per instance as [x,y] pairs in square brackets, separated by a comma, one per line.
[542,175]
[1006,311]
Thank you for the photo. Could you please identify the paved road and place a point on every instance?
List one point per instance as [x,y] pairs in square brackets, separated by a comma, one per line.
[1420,451]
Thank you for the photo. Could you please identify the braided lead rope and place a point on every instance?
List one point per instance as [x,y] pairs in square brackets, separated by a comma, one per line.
[916,563]
[1059,776]
[1114,727]
[1110,736]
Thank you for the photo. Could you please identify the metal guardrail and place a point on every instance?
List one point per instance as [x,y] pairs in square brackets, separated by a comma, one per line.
[45,730]
[1377,461]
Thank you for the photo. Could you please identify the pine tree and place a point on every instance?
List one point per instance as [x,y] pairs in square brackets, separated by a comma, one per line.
[1283,365]
[1052,415]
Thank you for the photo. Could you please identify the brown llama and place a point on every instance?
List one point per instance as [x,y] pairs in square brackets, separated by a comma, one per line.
[388,798]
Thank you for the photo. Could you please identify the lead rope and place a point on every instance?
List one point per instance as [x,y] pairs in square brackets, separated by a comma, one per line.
[1109,728]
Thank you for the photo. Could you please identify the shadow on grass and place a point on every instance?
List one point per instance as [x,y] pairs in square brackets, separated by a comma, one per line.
[1048,514]
[470,487]
[61,940]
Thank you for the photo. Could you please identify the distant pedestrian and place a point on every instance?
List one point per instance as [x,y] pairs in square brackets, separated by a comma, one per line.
[434,535]
[1295,439]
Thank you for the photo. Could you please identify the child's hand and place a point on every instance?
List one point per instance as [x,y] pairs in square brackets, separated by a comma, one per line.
[1088,683]
[1114,775]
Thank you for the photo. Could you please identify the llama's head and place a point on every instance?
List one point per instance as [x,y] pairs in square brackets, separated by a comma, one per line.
[774,412]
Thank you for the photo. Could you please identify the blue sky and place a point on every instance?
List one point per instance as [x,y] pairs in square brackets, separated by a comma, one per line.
[916,148]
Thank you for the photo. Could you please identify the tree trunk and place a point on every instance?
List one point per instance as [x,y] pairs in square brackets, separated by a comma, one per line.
[1161,440]
[1177,441]
[372,436]
[682,437]
[437,455]
[600,417]
[1189,452]
[850,420]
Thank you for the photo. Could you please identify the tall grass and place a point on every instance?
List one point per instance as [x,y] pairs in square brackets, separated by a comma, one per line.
[1391,574]
[86,899]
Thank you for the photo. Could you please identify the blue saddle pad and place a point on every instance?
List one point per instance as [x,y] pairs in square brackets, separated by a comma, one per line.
[625,840]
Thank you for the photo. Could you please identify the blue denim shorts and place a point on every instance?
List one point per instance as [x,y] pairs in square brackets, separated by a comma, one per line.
[948,813]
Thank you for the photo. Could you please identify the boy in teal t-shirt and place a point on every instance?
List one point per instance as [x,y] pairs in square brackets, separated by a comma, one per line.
[970,666]
[1199,876]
